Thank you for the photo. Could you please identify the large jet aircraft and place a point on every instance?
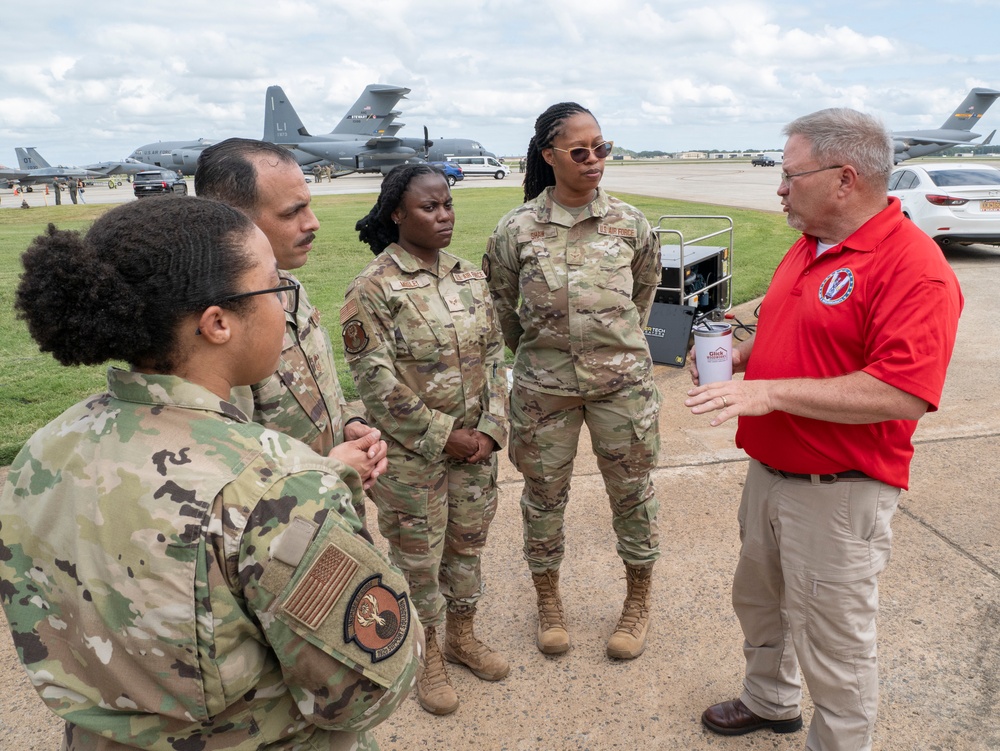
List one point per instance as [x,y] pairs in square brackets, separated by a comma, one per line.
[31,172]
[955,131]
[174,155]
[366,139]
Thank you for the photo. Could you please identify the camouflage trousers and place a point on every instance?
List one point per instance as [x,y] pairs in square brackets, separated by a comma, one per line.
[624,433]
[435,517]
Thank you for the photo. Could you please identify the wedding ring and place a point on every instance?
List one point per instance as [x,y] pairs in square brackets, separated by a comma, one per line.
[724,403]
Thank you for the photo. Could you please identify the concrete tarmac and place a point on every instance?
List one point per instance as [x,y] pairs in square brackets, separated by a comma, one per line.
[939,624]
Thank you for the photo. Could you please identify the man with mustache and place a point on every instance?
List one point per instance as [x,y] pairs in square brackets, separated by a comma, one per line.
[303,397]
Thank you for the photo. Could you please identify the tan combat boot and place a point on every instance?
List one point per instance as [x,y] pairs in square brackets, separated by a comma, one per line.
[629,638]
[552,637]
[462,647]
[434,690]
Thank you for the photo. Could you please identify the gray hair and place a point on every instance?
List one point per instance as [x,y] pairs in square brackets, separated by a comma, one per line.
[844,136]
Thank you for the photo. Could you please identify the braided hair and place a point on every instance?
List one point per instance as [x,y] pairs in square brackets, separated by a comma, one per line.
[376,228]
[538,173]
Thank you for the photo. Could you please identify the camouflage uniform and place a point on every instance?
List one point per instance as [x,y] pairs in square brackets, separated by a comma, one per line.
[572,295]
[303,398]
[425,350]
[177,577]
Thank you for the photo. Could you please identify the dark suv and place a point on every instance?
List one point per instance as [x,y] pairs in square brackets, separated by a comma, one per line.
[157,182]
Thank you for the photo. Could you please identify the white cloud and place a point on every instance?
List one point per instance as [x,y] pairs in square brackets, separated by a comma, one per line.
[664,74]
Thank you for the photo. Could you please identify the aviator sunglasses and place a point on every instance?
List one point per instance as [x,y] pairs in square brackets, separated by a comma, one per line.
[581,153]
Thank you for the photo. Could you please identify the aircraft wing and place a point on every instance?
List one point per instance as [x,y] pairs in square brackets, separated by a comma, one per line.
[910,140]
[383,142]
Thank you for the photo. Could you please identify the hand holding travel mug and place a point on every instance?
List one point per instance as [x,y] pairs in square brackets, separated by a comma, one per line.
[713,352]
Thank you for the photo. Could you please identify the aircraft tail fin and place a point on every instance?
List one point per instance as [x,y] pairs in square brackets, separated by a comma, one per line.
[281,123]
[28,158]
[372,112]
[969,112]
[37,157]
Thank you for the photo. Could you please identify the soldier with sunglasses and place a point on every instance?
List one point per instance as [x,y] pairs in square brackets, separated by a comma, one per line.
[573,272]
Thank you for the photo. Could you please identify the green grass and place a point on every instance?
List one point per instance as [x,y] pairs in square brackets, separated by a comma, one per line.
[34,388]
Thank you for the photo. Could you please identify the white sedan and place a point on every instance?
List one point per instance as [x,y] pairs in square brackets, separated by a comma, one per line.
[952,202]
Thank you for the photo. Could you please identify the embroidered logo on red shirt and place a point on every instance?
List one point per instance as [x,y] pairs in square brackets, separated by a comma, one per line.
[837,287]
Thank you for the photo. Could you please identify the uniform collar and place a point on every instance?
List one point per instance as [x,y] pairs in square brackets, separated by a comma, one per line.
[410,264]
[547,210]
[167,390]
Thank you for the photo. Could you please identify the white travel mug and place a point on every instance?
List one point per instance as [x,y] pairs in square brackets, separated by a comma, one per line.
[713,352]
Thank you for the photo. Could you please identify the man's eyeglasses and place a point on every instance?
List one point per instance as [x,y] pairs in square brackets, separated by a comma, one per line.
[581,153]
[288,294]
[787,179]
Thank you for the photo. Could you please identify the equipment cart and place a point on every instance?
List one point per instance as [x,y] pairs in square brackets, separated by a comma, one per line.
[696,282]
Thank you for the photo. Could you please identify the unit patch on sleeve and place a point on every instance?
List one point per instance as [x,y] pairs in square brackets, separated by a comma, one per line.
[377,619]
[323,584]
[355,337]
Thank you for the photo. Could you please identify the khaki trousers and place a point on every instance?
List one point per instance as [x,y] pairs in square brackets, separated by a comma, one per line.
[806,594]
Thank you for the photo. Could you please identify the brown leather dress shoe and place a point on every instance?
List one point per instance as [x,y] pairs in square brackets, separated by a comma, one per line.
[733,718]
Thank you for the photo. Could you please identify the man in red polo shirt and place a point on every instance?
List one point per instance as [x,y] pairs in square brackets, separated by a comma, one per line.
[853,340]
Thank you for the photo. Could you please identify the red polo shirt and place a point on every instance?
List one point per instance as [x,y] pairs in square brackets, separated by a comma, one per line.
[884,301]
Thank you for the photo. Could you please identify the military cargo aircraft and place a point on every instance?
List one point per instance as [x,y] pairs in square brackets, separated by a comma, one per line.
[365,140]
[179,156]
[32,172]
[955,131]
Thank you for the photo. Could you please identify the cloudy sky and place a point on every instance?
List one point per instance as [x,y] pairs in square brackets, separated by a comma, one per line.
[95,79]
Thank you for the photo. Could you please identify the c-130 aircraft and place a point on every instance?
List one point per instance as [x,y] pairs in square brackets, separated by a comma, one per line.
[365,140]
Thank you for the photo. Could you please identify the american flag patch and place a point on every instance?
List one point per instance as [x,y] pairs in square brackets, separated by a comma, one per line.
[321,587]
[348,311]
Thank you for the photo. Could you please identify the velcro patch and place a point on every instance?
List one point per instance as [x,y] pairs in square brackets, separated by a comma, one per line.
[464,276]
[377,619]
[355,337]
[348,310]
[398,284]
[607,229]
[537,234]
[486,265]
[323,584]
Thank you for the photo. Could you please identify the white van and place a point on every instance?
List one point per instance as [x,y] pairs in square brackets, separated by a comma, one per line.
[481,165]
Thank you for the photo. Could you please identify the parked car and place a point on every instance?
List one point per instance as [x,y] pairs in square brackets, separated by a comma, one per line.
[952,202]
[481,165]
[762,161]
[452,172]
[157,182]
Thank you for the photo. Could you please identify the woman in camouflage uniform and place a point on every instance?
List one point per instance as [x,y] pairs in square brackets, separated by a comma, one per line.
[573,273]
[174,575]
[423,345]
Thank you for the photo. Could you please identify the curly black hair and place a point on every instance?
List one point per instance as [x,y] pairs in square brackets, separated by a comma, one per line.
[376,228]
[538,174]
[120,291]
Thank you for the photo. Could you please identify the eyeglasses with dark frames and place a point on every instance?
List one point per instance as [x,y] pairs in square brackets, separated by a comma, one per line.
[288,294]
[580,154]
[786,178]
